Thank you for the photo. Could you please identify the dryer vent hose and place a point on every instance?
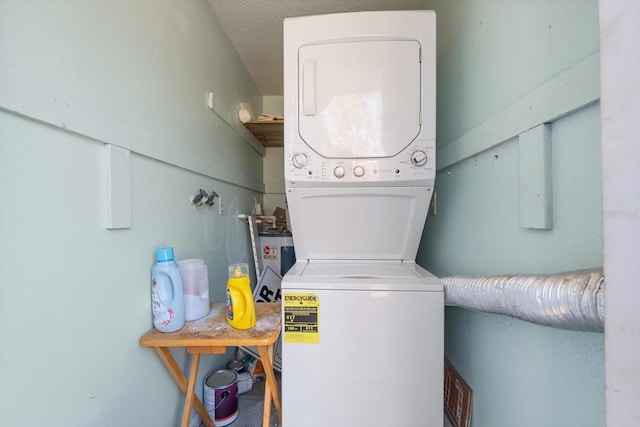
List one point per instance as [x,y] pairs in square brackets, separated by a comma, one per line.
[573,300]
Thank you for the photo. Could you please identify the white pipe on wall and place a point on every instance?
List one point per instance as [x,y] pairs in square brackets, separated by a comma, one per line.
[573,300]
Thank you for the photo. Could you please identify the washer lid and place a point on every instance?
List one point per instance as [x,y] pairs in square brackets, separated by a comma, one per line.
[360,276]
[359,99]
[361,270]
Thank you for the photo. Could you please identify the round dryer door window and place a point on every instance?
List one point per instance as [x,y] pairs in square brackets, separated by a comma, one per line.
[359,99]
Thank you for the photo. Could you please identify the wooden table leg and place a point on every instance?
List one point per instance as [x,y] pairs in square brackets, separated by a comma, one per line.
[266,411]
[271,388]
[191,389]
[175,371]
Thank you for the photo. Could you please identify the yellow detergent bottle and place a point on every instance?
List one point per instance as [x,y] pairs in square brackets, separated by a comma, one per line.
[241,311]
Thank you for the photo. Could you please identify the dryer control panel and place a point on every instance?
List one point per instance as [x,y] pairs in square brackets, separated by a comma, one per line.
[415,163]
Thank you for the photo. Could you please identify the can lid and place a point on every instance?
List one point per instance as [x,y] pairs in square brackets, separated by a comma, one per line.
[236,366]
[221,379]
[164,254]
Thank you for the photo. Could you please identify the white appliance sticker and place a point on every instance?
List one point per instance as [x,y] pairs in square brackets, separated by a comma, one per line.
[301,318]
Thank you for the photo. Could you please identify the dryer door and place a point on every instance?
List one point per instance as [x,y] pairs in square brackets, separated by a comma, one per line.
[359,98]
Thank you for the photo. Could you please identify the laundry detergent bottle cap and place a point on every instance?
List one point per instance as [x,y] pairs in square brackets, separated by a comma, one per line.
[167,298]
[241,310]
[164,255]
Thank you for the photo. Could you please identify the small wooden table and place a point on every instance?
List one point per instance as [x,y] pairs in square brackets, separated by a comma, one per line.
[212,335]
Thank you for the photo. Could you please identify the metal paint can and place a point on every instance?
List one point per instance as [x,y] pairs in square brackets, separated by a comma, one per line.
[221,396]
[236,366]
[245,382]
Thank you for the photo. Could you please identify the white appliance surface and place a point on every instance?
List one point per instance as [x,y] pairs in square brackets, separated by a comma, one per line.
[357,223]
[362,275]
[359,149]
[360,99]
[367,114]
[379,357]
[363,324]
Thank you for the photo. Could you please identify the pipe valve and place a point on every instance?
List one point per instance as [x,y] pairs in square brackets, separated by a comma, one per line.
[200,198]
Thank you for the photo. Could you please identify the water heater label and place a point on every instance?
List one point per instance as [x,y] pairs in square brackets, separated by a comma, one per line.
[301,318]
[270,252]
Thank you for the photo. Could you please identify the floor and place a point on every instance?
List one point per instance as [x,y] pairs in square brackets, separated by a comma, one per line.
[251,406]
[250,409]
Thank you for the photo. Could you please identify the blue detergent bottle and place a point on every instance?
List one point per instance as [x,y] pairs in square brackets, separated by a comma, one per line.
[167,298]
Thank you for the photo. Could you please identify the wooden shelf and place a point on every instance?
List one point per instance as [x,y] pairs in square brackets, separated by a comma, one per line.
[269,132]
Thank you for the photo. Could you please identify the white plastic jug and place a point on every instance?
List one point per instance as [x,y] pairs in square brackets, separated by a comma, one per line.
[195,283]
[167,299]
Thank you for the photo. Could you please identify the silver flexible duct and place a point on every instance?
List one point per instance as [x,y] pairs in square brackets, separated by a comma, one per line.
[573,300]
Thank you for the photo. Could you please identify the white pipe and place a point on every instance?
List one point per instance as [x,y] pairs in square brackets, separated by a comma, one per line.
[573,300]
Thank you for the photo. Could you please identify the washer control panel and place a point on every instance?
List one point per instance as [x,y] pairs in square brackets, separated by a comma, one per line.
[416,162]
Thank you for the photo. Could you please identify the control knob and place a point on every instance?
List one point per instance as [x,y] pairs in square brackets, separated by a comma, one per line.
[299,160]
[419,158]
[338,172]
[358,171]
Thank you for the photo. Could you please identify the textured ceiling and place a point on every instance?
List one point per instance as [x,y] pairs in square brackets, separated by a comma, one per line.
[255,29]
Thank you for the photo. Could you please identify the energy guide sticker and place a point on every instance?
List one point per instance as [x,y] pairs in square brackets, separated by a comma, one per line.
[301,317]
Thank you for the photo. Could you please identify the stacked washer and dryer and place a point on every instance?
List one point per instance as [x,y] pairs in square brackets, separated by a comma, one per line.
[362,322]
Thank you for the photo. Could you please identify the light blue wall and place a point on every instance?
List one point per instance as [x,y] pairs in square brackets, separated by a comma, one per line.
[75,296]
[493,58]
